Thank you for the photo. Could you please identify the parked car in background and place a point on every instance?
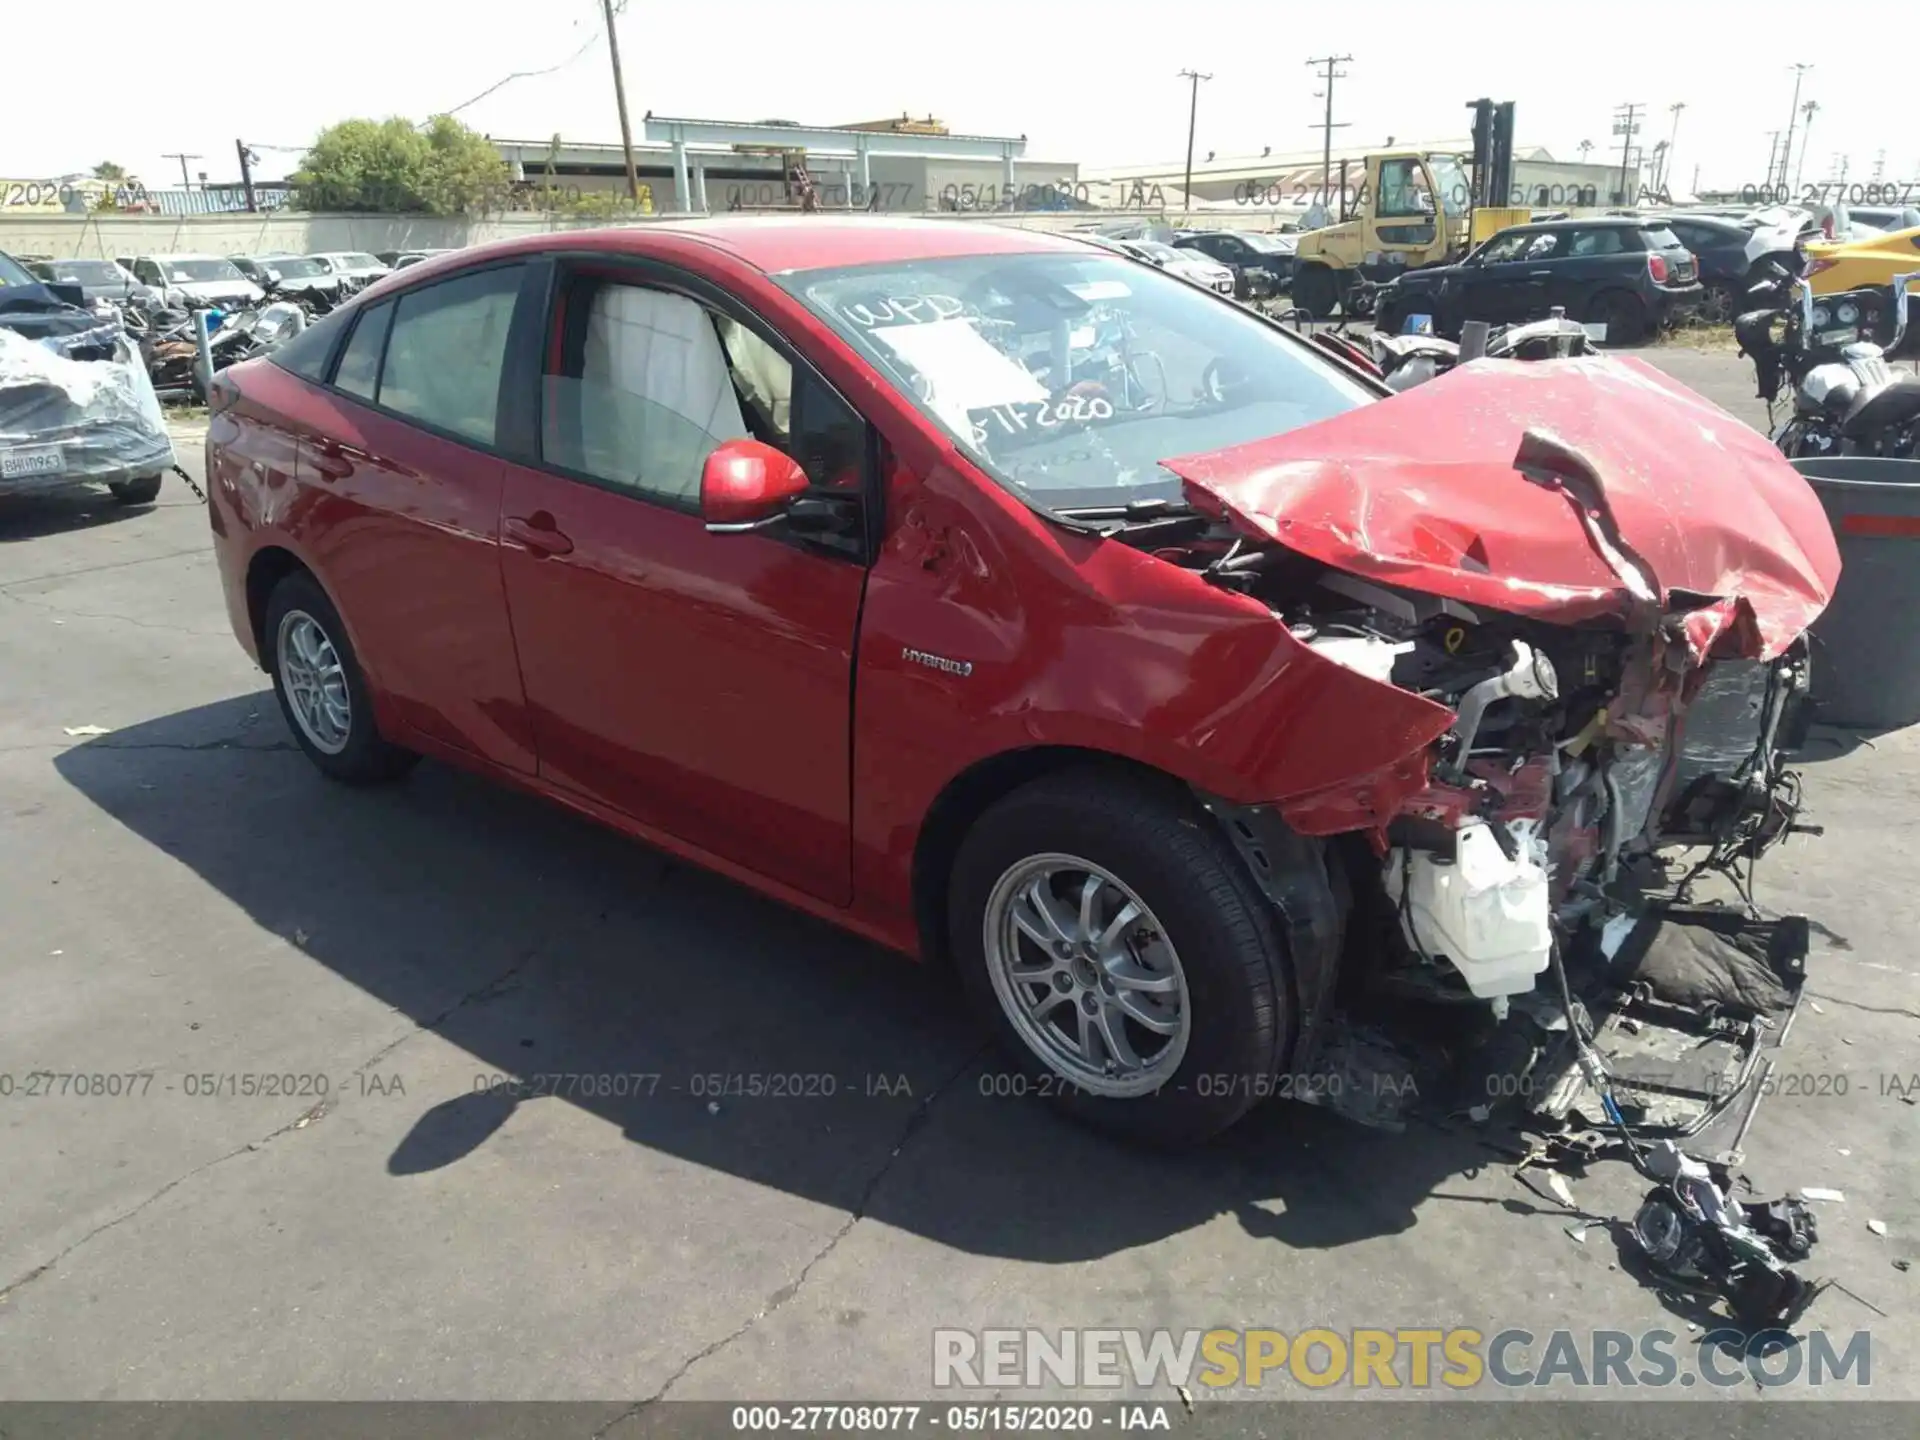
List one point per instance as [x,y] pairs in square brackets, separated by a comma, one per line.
[1836,266]
[1187,264]
[1728,254]
[1262,264]
[213,279]
[401,259]
[98,279]
[355,265]
[1631,275]
[621,517]
[286,274]
[1886,218]
[76,405]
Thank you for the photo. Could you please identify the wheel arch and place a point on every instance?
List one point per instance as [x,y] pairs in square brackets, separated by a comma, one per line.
[266,568]
[968,796]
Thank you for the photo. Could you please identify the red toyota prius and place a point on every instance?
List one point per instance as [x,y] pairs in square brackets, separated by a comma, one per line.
[1011,602]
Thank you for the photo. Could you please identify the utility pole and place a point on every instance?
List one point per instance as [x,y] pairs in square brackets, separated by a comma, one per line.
[1193,119]
[1626,124]
[1666,167]
[1326,126]
[186,183]
[1879,163]
[1800,69]
[620,99]
[1806,139]
[246,173]
[1773,159]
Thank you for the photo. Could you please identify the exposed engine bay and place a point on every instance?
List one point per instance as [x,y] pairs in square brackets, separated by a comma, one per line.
[1517,947]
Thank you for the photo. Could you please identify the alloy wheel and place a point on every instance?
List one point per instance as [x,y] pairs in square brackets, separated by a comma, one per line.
[316,682]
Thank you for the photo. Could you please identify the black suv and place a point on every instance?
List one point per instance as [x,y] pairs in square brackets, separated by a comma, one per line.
[1630,274]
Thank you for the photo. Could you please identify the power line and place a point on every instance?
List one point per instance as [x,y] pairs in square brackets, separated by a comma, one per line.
[1626,124]
[1193,117]
[1326,126]
[1786,151]
[185,182]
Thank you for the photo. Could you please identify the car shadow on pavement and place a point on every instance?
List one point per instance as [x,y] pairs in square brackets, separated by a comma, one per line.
[60,512]
[579,968]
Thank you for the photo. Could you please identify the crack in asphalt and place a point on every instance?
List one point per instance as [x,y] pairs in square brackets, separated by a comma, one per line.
[61,610]
[1862,1005]
[317,1111]
[779,1298]
[104,565]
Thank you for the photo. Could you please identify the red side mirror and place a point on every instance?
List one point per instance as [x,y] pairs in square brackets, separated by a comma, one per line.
[746,484]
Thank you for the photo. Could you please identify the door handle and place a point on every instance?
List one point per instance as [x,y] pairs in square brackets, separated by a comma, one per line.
[537,533]
[1539,274]
[330,460]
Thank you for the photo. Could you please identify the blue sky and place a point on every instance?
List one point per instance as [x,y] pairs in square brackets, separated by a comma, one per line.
[1086,82]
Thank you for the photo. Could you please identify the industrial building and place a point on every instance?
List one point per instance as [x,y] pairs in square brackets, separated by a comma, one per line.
[716,165]
[1286,183]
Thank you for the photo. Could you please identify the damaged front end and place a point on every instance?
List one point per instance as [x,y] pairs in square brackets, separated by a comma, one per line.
[1607,582]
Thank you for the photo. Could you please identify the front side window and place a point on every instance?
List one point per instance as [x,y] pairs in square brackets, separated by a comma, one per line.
[1069,378]
[1403,190]
[448,344]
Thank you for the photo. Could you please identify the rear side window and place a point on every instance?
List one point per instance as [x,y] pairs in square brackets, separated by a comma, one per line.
[359,369]
[306,353]
[1659,237]
[444,357]
[1610,241]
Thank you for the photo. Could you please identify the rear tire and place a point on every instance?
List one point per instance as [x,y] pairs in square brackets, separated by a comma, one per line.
[1200,921]
[1316,291]
[141,491]
[1623,315]
[321,689]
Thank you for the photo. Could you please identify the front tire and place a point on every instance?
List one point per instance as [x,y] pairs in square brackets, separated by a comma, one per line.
[322,692]
[1111,939]
[1316,291]
[1623,315]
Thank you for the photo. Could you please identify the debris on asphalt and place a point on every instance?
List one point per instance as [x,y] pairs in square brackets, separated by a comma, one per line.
[1878,1227]
[1557,1183]
[1818,1192]
[1903,1265]
[713,1107]
[1186,1397]
[1577,1234]
[1816,1007]
[87,731]
[1846,1152]
[1694,1234]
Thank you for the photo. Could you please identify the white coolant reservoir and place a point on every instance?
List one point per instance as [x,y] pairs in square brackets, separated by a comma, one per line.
[1486,915]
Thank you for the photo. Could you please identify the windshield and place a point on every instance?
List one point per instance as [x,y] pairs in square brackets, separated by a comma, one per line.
[84,272]
[187,272]
[1069,378]
[293,269]
[11,272]
[1268,244]
[358,261]
[1154,250]
[1456,197]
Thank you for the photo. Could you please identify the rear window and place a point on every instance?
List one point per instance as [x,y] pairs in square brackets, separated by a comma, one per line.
[1659,237]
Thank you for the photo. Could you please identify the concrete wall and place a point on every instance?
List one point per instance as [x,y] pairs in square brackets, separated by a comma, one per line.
[304,234]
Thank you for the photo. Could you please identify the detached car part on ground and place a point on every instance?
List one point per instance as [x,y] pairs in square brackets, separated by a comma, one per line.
[76,406]
[1210,697]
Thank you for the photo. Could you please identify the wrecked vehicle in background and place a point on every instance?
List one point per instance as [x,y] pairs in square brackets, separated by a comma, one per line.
[1210,697]
[76,405]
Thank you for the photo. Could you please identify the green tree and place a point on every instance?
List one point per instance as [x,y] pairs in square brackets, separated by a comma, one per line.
[396,167]
[111,173]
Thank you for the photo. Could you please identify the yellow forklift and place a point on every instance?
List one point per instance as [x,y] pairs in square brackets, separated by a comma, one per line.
[1412,209]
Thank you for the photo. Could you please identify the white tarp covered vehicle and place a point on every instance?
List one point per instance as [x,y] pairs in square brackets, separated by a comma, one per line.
[78,408]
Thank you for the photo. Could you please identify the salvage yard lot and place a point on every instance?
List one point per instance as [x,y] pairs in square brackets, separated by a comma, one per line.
[186,899]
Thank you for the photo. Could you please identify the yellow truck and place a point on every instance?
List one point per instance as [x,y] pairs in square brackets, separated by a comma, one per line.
[1412,209]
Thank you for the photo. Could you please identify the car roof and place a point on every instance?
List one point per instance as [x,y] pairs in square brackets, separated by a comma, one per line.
[1597,222]
[776,243]
[181,255]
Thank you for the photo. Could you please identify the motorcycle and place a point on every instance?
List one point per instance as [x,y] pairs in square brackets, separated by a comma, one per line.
[1404,361]
[1847,400]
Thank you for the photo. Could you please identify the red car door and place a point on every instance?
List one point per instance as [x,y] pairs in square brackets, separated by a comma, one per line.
[405,495]
[700,683]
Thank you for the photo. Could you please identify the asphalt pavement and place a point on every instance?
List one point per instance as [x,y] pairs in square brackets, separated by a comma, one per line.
[318,1191]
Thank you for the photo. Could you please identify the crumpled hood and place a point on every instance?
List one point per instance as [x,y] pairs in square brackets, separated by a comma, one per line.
[1678,506]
